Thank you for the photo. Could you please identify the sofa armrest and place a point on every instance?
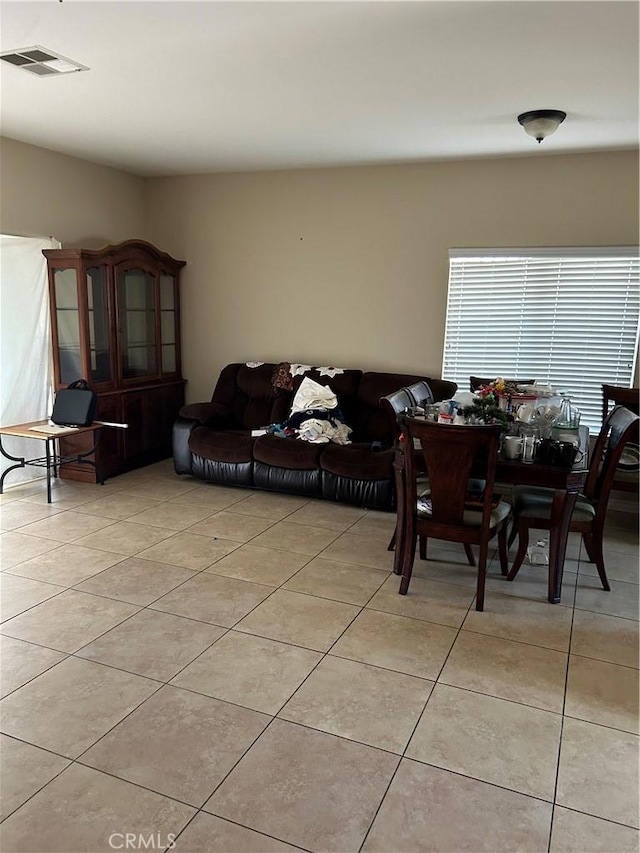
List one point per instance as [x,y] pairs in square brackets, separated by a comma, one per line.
[180,443]
[209,414]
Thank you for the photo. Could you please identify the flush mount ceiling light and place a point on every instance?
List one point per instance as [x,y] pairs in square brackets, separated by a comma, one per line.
[541,123]
[41,61]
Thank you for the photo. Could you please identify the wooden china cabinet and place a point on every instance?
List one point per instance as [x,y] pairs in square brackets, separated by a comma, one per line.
[115,321]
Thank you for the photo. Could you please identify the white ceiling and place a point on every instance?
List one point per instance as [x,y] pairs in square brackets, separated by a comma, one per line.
[192,87]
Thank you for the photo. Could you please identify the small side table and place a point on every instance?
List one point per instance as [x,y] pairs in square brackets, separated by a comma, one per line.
[52,460]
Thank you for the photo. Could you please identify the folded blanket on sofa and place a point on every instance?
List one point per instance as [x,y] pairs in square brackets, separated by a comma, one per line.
[312,395]
[322,431]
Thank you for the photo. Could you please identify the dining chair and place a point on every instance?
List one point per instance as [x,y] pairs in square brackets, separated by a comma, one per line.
[447,511]
[476,382]
[420,393]
[532,505]
[395,405]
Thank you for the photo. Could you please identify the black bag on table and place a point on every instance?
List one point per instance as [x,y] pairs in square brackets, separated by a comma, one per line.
[75,405]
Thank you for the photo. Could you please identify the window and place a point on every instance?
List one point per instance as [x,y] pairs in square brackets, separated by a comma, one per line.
[564,316]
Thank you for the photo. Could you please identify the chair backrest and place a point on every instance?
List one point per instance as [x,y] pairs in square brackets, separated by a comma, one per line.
[476,382]
[620,427]
[420,393]
[394,405]
[620,396]
[449,455]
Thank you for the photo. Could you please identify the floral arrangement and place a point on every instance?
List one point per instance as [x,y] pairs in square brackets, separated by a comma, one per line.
[487,408]
[497,388]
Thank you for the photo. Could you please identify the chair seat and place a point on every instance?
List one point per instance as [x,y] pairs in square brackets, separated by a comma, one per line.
[535,502]
[470,517]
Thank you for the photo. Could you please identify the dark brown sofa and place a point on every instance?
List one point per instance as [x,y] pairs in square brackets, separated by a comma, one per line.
[213,440]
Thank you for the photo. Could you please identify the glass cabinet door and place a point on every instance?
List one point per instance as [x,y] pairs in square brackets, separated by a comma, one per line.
[137,309]
[99,325]
[68,324]
[168,320]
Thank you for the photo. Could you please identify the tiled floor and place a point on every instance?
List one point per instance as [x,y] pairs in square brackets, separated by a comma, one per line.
[236,671]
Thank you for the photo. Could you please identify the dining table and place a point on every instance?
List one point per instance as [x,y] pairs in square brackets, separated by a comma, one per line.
[566,482]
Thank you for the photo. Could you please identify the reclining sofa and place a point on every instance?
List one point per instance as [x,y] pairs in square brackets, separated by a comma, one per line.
[214,441]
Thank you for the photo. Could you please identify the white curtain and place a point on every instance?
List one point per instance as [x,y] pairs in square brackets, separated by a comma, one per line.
[26,374]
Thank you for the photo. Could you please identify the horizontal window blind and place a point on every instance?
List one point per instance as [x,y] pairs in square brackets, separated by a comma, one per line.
[564,316]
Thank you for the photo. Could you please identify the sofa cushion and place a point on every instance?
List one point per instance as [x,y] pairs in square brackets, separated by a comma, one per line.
[357,461]
[372,421]
[221,446]
[287,452]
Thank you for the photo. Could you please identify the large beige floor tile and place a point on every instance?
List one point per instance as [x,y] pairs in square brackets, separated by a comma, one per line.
[531,583]
[429,809]
[573,832]
[603,693]
[232,526]
[20,662]
[72,704]
[297,538]
[66,565]
[24,769]
[19,514]
[69,526]
[537,623]
[18,594]
[214,835]
[171,516]
[83,810]
[303,620]
[506,669]
[189,551]
[394,642]
[118,506]
[380,525]
[333,516]
[157,645]
[607,638]
[306,788]
[363,550]
[360,702]
[598,772]
[505,743]
[346,582]
[197,737]
[443,603]
[68,621]
[124,537]
[211,496]
[136,581]
[266,505]
[213,598]
[159,489]
[259,565]
[16,548]
[622,600]
[250,671]
[619,565]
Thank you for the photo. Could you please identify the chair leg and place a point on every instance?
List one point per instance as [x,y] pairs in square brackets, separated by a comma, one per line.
[423,547]
[482,574]
[469,552]
[503,550]
[392,542]
[593,544]
[523,534]
[408,557]
[514,532]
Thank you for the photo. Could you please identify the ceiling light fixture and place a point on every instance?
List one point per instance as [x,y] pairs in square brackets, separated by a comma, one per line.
[541,123]
[41,61]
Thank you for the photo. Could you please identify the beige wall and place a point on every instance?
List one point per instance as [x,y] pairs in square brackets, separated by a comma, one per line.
[44,194]
[349,266]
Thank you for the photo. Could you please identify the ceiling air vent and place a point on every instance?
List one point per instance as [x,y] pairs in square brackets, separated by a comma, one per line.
[38,60]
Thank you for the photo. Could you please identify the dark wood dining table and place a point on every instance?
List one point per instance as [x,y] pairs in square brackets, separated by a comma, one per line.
[566,483]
